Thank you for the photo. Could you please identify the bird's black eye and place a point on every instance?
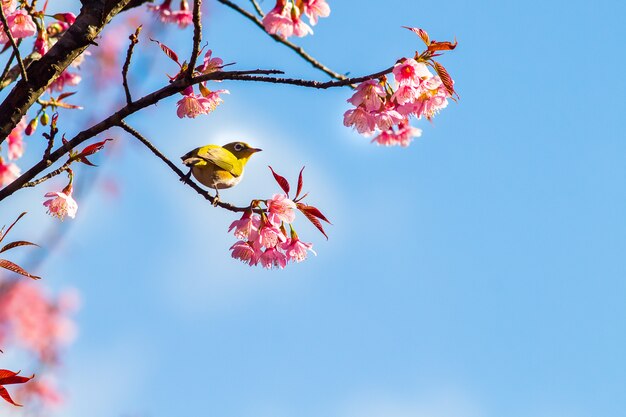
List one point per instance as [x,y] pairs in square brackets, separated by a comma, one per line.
[238,147]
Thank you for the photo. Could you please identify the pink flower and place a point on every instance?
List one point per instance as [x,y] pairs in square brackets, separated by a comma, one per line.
[410,71]
[272,258]
[400,137]
[315,9]
[406,93]
[182,18]
[282,208]
[247,227]
[16,145]
[369,93]
[244,252]
[300,28]
[9,6]
[361,119]
[269,236]
[192,105]
[387,118]
[8,172]
[65,78]
[210,64]
[62,204]
[41,43]
[162,11]
[21,24]
[295,249]
[278,21]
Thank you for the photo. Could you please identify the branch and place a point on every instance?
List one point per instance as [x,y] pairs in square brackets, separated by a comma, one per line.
[175,87]
[257,8]
[297,49]
[197,36]
[16,50]
[52,174]
[129,54]
[93,16]
[177,170]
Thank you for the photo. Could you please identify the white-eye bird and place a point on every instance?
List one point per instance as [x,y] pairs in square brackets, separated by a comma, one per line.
[219,167]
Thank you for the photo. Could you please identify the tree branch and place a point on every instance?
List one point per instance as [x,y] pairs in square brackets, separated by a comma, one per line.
[51,174]
[16,50]
[175,87]
[257,8]
[129,54]
[197,36]
[297,49]
[177,170]
[93,16]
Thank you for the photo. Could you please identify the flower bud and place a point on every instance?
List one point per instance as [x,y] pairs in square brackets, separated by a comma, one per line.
[44,119]
[32,126]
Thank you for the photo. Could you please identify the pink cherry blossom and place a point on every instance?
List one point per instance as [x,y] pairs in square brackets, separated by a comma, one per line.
[8,172]
[66,78]
[278,21]
[272,258]
[300,29]
[410,71]
[269,236]
[193,105]
[247,227]
[182,18]
[16,145]
[387,118]
[369,93]
[61,203]
[315,9]
[210,64]
[41,43]
[362,120]
[296,250]
[403,136]
[21,24]
[282,208]
[162,11]
[244,252]
[9,6]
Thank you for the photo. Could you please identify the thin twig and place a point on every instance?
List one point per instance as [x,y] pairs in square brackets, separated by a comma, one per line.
[197,36]
[7,67]
[7,31]
[257,8]
[297,49]
[177,170]
[129,54]
[51,174]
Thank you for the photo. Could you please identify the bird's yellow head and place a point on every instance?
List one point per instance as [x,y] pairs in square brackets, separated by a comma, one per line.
[241,150]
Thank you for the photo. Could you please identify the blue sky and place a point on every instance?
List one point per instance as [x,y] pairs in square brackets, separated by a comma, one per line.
[480,272]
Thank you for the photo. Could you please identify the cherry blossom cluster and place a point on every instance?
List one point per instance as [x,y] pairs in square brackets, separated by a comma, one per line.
[383,108]
[182,17]
[285,19]
[262,231]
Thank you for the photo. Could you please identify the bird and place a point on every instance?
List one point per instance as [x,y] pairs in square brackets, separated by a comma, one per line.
[218,167]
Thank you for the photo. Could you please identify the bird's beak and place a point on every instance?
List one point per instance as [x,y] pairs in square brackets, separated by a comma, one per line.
[256,150]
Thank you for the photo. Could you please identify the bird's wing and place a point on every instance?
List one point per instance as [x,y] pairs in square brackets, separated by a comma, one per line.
[221,157]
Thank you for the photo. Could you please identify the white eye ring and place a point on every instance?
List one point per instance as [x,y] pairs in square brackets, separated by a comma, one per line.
[238,147]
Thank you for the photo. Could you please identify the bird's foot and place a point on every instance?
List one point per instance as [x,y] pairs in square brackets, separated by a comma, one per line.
[186,178]
[216,199]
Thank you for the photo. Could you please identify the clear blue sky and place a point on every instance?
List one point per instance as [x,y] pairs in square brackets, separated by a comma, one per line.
[480,272]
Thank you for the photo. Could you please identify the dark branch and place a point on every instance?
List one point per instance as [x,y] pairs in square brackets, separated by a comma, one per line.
[297,49]
[257,8]
[16,49]
[177,170]
[197,36]
[134,39]
[51,174]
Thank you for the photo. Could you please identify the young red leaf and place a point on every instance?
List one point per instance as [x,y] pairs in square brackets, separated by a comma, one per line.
[313,211]
[441,46]
[94,147]
[16,268]
[65,95]
[421,33]
[85,161]
[16,244]
[3,233]
[300,183]
[315,221]
[445,77]
[284,184]
[5,394]
[170,54]
[9,377]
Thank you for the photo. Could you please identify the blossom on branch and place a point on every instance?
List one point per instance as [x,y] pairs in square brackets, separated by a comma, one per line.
[8,172]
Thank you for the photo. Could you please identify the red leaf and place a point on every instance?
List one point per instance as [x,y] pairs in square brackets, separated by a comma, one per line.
[170,54]
[421,33]
[284,184]
[445,78]
[16,244]
[315,221]
[3,234]
[300,183]
[313,211]
[16,268]
[65,95]
[442,46]
[5,394]
[94,147]
[85,161]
